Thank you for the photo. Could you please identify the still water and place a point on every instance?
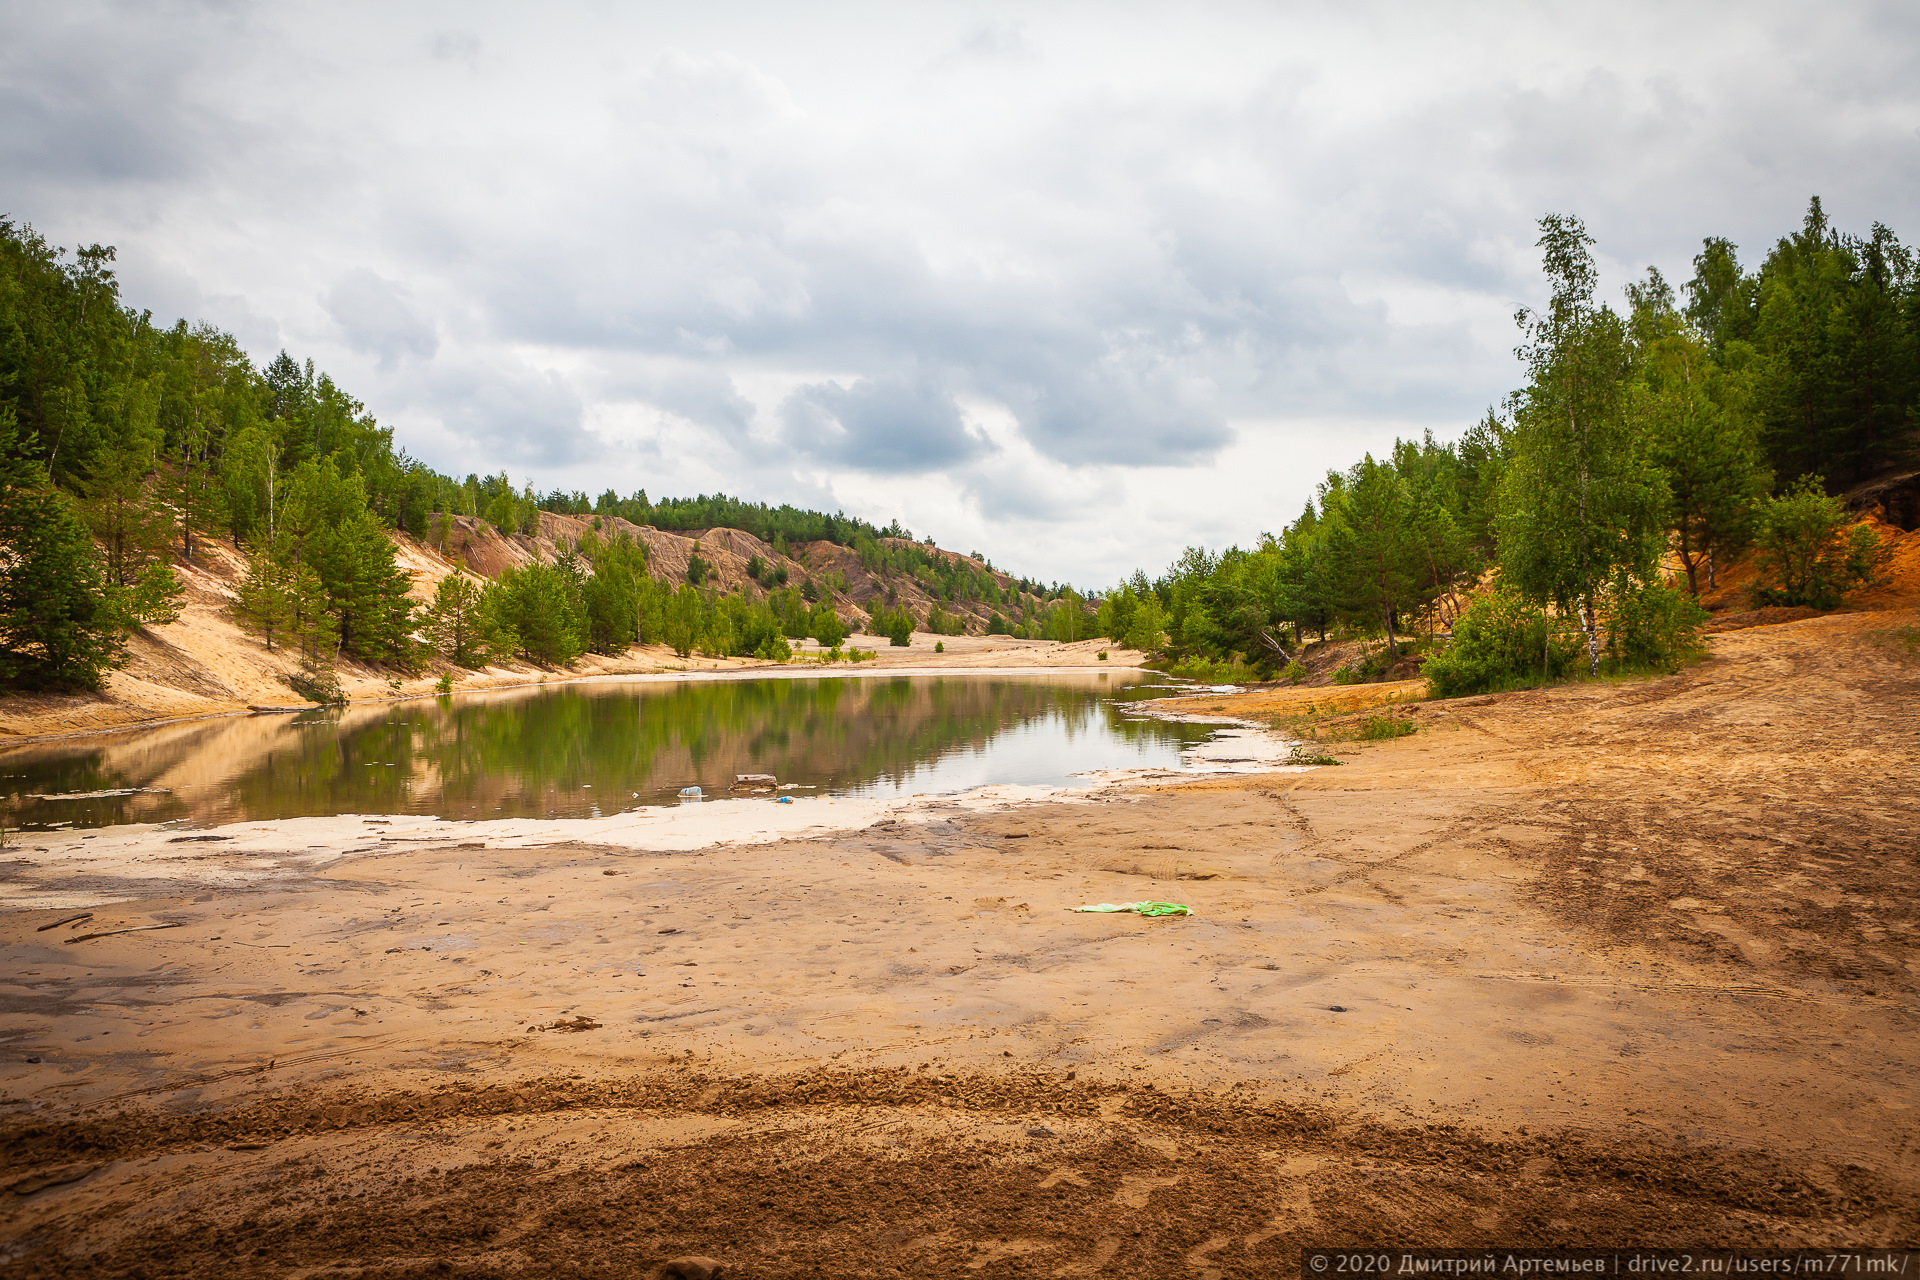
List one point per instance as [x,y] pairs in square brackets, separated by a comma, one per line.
[584,750]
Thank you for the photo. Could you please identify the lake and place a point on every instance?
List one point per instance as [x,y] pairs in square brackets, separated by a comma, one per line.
[594,748]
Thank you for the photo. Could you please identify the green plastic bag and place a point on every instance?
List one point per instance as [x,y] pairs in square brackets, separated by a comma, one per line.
[1141,908]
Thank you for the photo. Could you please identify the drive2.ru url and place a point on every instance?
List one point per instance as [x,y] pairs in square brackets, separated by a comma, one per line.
[1542,1264]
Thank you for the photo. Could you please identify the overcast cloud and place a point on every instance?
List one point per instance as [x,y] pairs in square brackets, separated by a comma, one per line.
[1074,285]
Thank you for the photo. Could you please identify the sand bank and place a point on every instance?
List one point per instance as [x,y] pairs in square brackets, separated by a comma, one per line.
[1620,962]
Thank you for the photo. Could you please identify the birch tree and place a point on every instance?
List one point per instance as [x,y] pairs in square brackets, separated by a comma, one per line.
[1579,504]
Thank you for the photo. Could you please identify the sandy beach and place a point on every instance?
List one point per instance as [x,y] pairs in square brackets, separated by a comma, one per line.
[1614,961]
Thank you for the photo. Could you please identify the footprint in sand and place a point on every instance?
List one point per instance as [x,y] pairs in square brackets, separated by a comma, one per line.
[992,1251]
[1293,1209]
[1103,1251]
[1198,1260]
[1136,1189]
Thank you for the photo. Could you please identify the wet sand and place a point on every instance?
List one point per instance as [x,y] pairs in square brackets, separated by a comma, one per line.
[1611,963]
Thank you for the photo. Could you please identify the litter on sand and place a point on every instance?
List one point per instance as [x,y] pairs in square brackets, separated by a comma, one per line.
[784,800]
[1141,908]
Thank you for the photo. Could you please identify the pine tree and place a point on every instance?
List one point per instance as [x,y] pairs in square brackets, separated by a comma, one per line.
[263,602]
[1691,416]
[457,622]
[1376,559]
[58,624]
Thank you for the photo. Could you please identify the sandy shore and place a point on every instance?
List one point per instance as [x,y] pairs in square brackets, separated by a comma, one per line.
[1605,964]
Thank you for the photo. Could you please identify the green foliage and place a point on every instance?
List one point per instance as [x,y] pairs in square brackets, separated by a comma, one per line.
[263,602]
[1651,627]
[1068,619]
[698,570]
[1808,555]
[896,625]
[317,681]
[1504,641]
[1692,414]
[458,624]
[59,628]
[1214,671]
[1831,323]
[825,626]
[544,608]
[940,646]
[328,526]
[682,621]
[1579,500]
[1302,754]
[1294,673]
[1373,665]
[1380,728]
[1501,641]
[444,685]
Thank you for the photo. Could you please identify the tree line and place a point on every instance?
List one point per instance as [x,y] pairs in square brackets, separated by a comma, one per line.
[1664,433]
[125,445]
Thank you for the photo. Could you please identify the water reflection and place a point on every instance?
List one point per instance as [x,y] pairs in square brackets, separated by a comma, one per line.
[580,750]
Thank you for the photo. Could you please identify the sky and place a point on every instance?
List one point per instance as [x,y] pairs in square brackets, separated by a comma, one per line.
[1070,285]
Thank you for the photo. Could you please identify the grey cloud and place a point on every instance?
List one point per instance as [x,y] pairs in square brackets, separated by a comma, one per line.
[1133,242]
[377,318]
[102,101]
[509,415]
[456,46]
[884,426]
[705,396]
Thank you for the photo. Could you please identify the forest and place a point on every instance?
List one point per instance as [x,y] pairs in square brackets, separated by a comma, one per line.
[125,444]
[1573,528]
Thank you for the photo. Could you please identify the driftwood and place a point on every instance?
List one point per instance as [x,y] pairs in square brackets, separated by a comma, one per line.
[138,928]
[754,782]
[84,915]
[1266,638]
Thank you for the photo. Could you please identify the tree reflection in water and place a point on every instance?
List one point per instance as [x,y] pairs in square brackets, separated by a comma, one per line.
[577,750]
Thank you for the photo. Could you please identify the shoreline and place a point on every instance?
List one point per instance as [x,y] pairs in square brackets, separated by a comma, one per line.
[748,669]
[129,854]
[1559,956]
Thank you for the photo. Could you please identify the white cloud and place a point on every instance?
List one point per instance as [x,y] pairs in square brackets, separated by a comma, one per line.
[1076,285]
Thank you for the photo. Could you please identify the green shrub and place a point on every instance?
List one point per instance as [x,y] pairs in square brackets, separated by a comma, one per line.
[1501,642]
[939,646]
[1379,728]
[1294,672]
[1504,642]
[1206,671]
[1302,755]
[899,629]
[824,625]
[316,681]
[1808,556]
[1652,627]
